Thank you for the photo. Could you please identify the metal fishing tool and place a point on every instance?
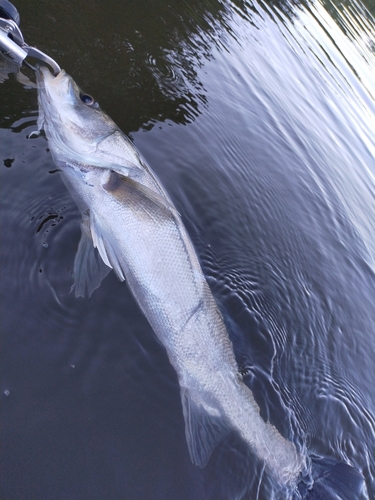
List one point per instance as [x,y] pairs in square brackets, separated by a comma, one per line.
[12,43]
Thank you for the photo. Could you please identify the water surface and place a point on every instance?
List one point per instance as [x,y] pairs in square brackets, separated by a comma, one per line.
[259,119]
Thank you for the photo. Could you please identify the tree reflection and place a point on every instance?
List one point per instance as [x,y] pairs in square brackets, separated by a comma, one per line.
[147,52]
[140,58]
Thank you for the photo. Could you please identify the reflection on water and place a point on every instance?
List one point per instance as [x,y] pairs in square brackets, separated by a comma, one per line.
[153,52]
[274,177]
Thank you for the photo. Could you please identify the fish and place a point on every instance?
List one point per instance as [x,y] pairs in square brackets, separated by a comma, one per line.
[130,225]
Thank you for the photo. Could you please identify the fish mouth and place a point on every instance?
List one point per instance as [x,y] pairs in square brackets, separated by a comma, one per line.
[55,100]
[45,76]
[54,91]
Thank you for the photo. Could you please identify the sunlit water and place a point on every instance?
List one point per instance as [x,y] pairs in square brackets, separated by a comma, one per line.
[259,119]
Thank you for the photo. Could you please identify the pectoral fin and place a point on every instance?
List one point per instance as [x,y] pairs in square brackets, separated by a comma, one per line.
[205,427]
[89,269]
[127,190]
[127,169]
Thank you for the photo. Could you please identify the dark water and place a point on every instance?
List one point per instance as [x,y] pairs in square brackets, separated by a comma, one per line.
[259,119]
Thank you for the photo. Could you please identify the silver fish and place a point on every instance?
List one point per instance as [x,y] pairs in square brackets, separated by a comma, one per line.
[131,221]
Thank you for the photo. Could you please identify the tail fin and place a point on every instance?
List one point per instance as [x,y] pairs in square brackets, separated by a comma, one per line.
[332,480]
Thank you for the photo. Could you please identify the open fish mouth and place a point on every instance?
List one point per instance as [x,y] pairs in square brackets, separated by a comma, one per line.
[60,84]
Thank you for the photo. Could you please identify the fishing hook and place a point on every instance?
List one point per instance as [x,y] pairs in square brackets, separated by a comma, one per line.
[12,43]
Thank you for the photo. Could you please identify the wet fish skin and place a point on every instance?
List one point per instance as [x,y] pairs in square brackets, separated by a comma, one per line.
[129,218]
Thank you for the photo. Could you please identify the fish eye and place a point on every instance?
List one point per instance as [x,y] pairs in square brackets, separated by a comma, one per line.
[87,99]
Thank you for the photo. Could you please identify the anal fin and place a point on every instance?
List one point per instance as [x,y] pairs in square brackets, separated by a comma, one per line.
[205,427]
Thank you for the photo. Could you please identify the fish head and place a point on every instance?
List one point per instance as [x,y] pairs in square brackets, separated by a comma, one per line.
[73,121]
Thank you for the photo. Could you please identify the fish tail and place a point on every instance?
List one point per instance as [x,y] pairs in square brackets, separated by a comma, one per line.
[331,480]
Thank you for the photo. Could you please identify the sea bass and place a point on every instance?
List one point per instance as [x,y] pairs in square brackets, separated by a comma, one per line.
[130,221]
